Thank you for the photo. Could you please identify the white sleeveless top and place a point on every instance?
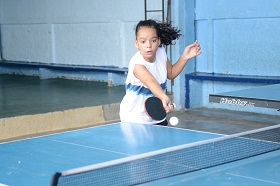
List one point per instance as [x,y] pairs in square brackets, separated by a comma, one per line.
[132,106]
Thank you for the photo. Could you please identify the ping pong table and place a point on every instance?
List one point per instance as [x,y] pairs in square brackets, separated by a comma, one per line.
[263,96]
[34,161]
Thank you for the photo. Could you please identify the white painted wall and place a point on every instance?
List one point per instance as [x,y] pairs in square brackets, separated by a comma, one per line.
[76,32]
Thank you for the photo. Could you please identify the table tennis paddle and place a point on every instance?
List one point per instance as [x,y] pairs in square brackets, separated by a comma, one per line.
[155,109]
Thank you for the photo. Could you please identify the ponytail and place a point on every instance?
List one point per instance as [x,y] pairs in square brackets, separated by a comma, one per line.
[165,31]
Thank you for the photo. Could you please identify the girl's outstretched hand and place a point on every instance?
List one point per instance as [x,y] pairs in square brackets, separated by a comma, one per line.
[191,51]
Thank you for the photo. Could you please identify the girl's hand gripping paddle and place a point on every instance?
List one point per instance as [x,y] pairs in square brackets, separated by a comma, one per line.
[155,109]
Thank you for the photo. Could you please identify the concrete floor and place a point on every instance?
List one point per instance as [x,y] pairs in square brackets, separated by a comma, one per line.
[21,95]
[26,95]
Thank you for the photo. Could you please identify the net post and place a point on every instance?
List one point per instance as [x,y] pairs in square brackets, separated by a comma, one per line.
[55,178]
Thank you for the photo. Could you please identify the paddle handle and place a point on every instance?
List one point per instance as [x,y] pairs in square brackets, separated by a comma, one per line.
[173,105]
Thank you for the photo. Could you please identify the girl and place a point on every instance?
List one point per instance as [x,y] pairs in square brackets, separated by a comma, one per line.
[149,69]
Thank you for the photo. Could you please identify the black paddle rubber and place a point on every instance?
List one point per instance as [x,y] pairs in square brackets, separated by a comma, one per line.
[154,108]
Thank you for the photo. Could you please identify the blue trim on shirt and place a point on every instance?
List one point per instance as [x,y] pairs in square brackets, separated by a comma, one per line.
[140,90]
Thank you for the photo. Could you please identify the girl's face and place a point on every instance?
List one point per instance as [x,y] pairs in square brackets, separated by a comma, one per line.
[147,42]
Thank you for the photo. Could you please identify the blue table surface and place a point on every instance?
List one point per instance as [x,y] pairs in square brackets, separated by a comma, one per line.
[34,161]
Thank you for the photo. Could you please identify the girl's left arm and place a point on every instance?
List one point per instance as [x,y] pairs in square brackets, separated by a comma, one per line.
[190,51]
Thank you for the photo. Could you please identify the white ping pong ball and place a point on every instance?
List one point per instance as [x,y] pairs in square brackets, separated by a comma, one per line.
[173,121]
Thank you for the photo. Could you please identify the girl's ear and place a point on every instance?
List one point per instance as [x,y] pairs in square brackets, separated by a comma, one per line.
[159,40]
[136,44]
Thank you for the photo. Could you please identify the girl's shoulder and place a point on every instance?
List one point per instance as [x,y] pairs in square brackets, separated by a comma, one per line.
[137,59]
[161,51]
[161,54]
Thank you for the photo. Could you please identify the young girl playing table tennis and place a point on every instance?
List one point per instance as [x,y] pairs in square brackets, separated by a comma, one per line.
[149,69]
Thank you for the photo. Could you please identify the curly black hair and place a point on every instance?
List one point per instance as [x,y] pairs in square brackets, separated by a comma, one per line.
[165,31]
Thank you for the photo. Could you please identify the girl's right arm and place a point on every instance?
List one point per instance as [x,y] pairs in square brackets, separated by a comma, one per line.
[141,72]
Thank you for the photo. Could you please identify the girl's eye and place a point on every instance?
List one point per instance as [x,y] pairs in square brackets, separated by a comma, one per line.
[154,40]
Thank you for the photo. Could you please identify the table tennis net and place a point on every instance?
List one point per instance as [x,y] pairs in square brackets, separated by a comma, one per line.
[182,159]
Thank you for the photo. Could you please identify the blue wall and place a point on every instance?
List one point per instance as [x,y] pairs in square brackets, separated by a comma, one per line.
[237,37]
[183,18]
